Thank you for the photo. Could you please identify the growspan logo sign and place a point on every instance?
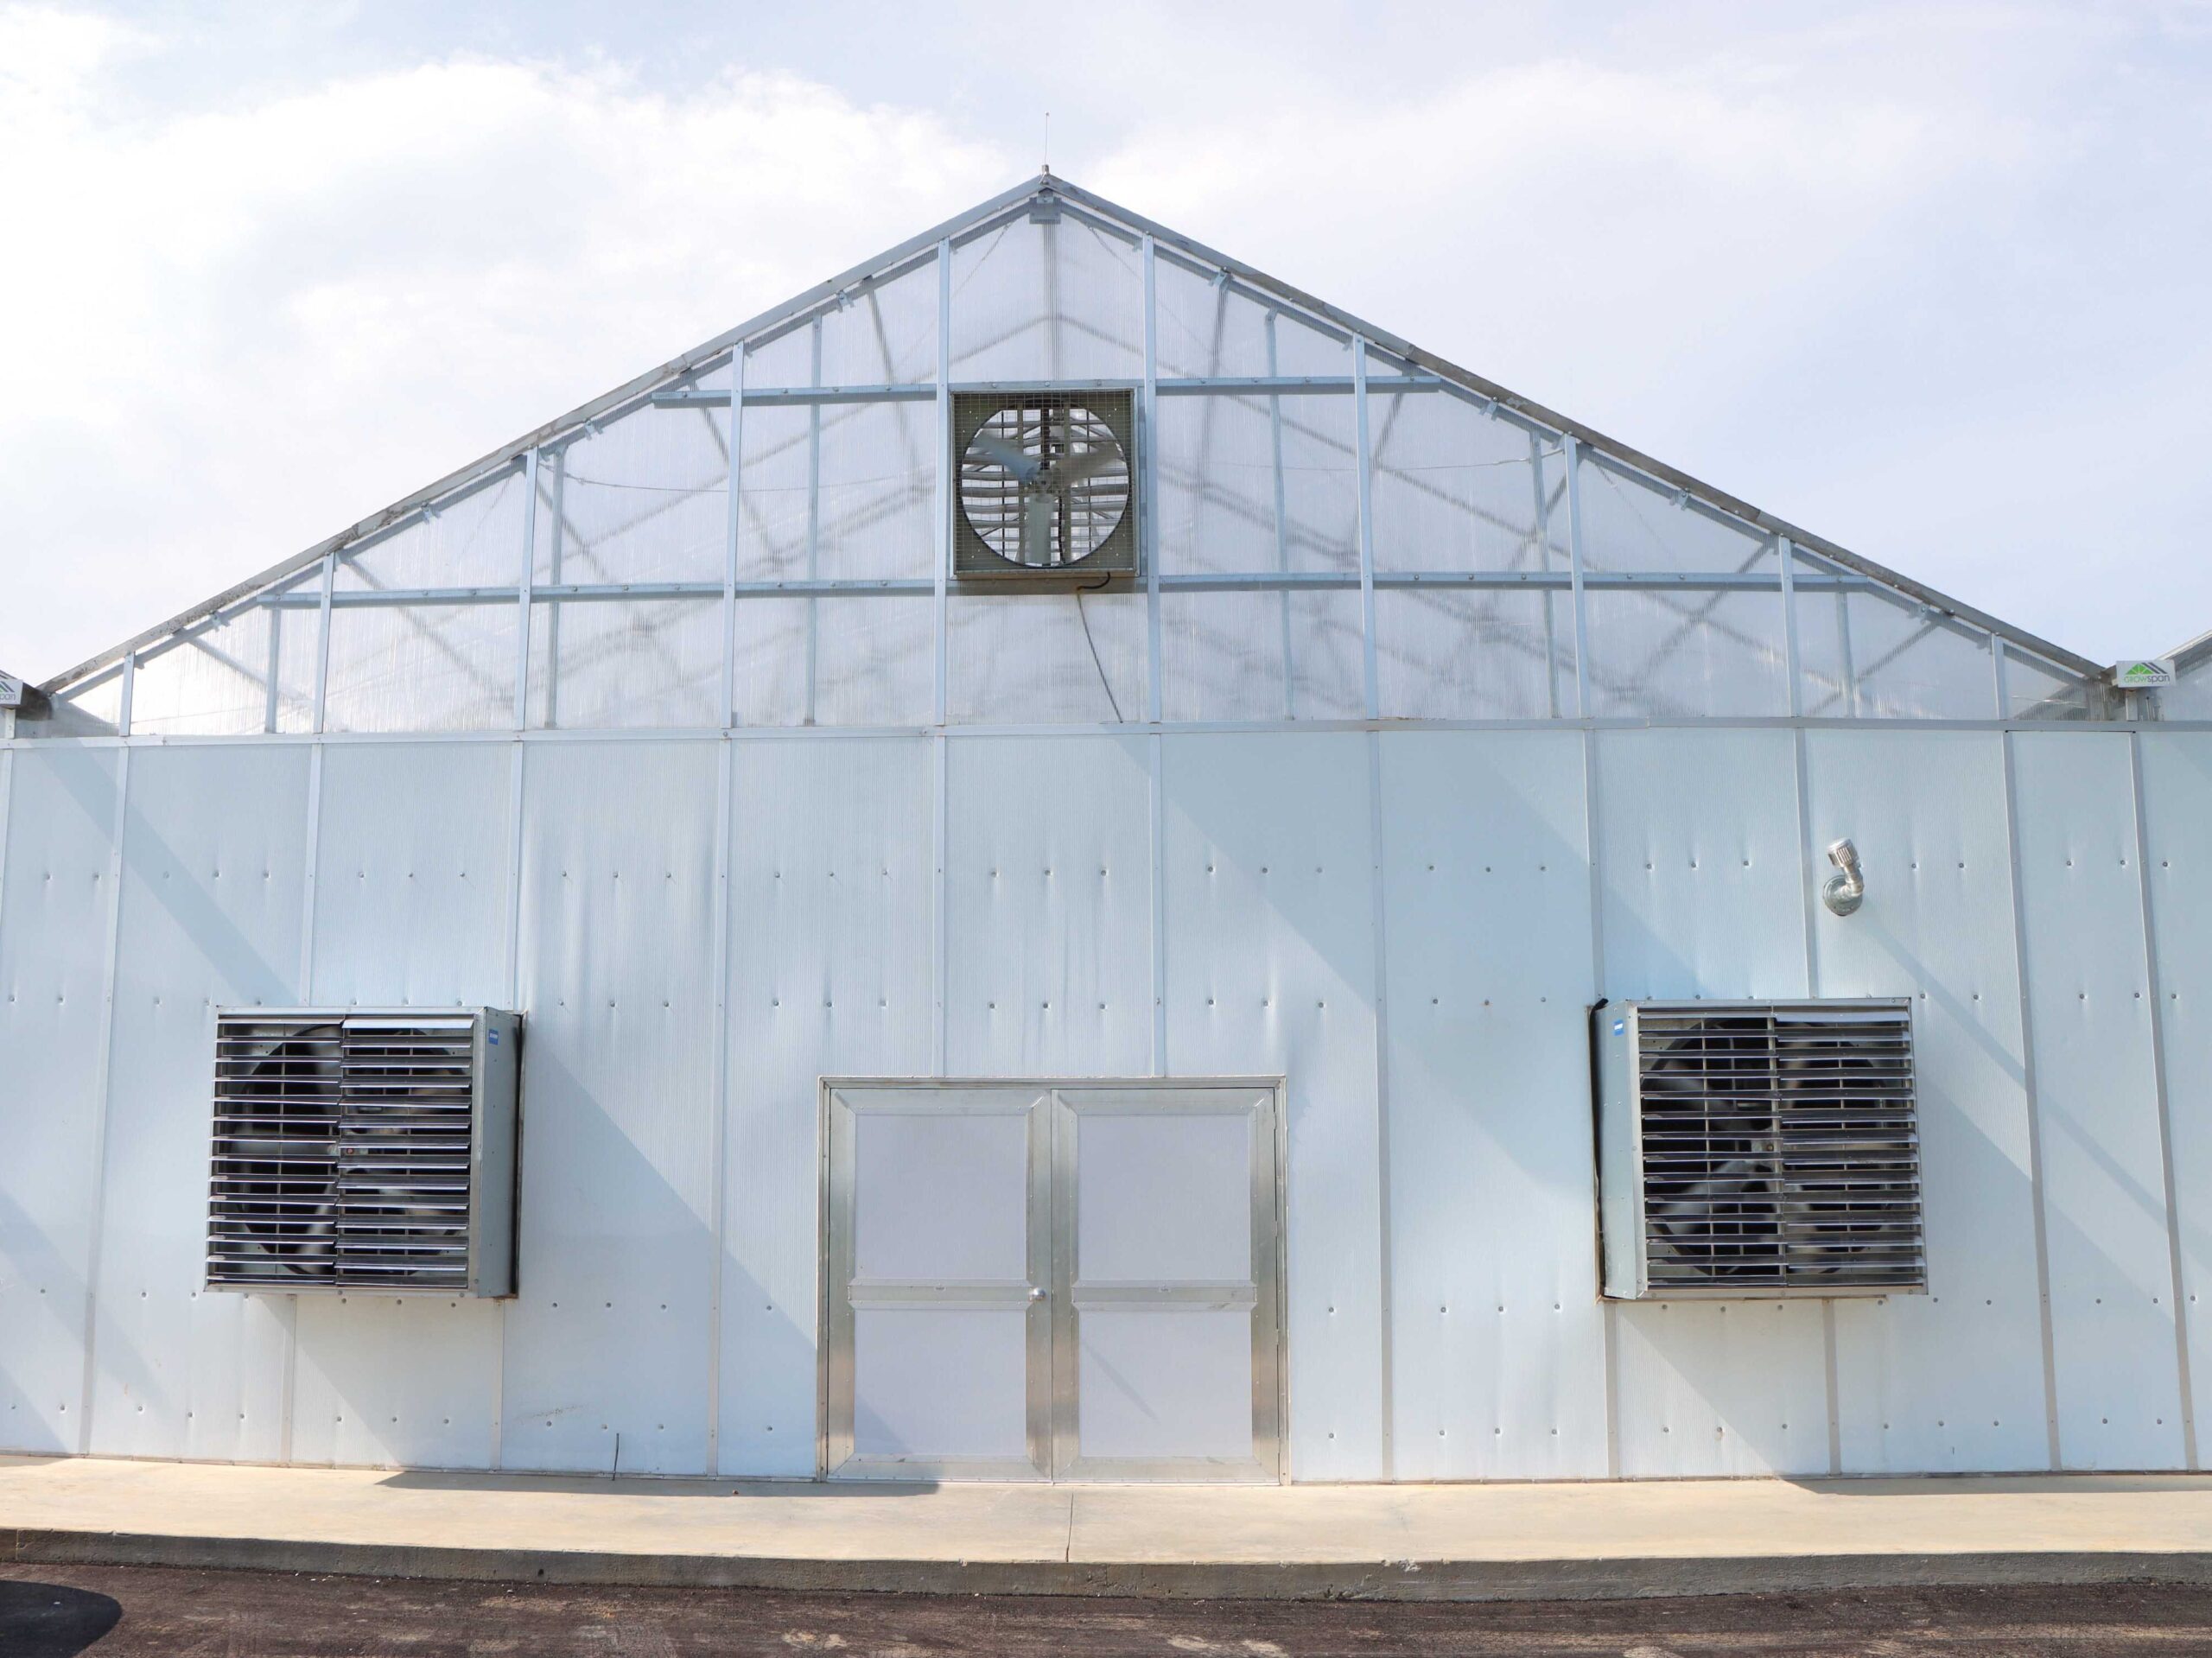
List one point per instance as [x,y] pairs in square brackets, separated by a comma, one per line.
[2146,675]
[11,691]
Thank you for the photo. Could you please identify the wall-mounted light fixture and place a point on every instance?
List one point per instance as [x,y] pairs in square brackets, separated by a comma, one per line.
[1846,889]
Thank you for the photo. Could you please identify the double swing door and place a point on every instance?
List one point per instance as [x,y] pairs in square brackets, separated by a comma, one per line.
[1029,1281]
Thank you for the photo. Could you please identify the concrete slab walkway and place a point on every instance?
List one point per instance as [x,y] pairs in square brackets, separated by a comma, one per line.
[1405,1541]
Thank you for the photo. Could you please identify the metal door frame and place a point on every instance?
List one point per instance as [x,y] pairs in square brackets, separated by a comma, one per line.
[1052,1398]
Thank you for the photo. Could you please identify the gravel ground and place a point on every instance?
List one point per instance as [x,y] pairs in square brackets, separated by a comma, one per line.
[56,1612]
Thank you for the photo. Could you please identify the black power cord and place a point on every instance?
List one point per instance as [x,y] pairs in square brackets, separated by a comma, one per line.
[1083,616]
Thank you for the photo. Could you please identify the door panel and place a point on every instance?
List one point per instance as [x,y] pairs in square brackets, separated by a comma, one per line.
[1164,1284]
[1079,1282]
[942,1385]
[940,1257]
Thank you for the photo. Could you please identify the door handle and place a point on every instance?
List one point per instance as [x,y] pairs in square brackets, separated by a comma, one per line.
[1036,1294]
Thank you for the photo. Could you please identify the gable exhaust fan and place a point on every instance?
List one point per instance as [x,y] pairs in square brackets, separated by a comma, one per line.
[1046,484]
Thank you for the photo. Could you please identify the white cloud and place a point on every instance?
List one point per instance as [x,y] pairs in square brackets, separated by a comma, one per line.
[248,328]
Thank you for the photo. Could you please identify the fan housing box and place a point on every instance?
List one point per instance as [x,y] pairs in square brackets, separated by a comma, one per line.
[363,1149]
[1114,558]
[1754,1149]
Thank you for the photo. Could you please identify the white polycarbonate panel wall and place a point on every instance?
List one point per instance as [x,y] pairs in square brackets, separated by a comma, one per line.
[214,861]
[1701,893]
[57,865]
[2176,803]
[1497,1334]
[1407,926]
[2111,1289]
[410,895]
[1953,1379]
[1268,877]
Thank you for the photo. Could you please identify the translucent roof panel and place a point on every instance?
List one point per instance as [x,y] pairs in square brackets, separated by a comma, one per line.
[1333,527]
[1059,301]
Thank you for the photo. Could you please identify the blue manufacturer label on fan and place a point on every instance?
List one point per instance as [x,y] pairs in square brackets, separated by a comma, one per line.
[1620,1026]
[493,1037]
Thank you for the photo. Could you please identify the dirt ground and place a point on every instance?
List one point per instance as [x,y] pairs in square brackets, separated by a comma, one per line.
[116,1611]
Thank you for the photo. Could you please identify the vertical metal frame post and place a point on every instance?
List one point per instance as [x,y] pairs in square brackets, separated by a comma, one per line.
[1787,552]
[813,514]
[733,534]
[522,588]
[2177,1283]
[1543,530]
[1282,523]
[322,650]
[1572,451]
[1364,473]
[947,483]
[1148,470]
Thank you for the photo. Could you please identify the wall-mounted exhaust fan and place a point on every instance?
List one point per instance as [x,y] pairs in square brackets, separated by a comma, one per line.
[1758,1148]
[363,1151]
[1046,484]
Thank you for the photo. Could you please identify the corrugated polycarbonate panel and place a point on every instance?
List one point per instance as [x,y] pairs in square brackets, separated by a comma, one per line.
[874,661]
[1700,876]
[1777,1148]
[472,540]
[609,1331]
[883,333]
[1629,524]
[1498,1340]
[2038,691]
[623,662]
[1320,482]
[1904,662]
[1046,658]
[2096,1100]
[90,710]
[768,671]
[1048,899]
[1216,504]
[410,906]
[213,869]
[1063,300]
[1208,328]
[1683,653]
[643,499]
[2190,697]
[843,491]
[831,888]
[214,681]
[55,894]
[1270,961]
[1441,654]
[2177,804]
[1951,1381]
[421,668]
[1454,487]
[1262,656]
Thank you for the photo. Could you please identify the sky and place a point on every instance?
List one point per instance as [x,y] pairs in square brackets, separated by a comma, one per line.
[1929,279]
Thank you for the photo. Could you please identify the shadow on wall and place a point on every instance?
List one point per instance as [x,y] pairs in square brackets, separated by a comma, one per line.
[45,1620]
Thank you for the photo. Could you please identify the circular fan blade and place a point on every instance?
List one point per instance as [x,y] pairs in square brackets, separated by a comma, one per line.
[1023,466]
[1086,463]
